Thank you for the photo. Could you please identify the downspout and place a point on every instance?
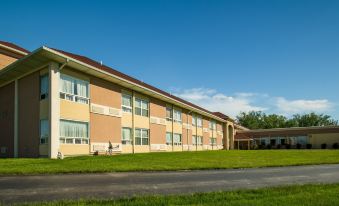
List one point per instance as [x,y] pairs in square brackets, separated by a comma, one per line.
[172,128]
[187,129]
[133,125]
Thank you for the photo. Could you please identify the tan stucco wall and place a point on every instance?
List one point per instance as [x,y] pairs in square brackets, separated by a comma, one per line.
[29,117]
[5,60]
[105,128]
[74,149]
[206,135]
[74,111]
[157,131]
[141,122]
[105,93]
[317,139]
[126,120]
[141,149]
[7,119]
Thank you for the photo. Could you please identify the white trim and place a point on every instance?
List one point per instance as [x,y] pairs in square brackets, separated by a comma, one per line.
[12,49]
[134,84]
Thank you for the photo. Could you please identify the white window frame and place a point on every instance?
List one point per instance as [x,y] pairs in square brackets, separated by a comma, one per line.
[74,97]
[169,118]
[128,141]
[199,121]
[125,108]
[177,116]
[74,140]
[141,136]
[142,109]
[171,138]
[213,141]
[175,142]
[194,120]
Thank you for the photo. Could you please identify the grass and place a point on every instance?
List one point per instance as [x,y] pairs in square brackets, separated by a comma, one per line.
[169,161]
[317,195]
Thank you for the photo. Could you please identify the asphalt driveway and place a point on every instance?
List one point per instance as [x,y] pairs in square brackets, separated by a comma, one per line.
[15,189]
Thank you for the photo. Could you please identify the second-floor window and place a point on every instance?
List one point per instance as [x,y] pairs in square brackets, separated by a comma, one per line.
[176,115]
[199,122]
[169,114]
[141,107]
[73,89]
[212,125]
[126,103]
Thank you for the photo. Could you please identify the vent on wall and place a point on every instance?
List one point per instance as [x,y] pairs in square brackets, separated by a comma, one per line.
[104,110]
[157,120]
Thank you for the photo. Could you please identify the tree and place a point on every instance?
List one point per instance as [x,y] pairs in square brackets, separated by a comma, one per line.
[259,120]
[313,119]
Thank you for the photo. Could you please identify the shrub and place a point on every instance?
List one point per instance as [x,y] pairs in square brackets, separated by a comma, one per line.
[323,146]
[335,146]
[288,146]
[261,146]
[309,146]
[298,146]
[279,146]
[268,146]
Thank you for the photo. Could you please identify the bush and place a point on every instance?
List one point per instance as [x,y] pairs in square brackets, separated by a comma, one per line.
[288,146]
[309,146]
[323,146]
[279,146]
[261,146]
[298,146]
[268,146]
[335,146]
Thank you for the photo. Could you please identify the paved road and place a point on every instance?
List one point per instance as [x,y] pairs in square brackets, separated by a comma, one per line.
[113,185]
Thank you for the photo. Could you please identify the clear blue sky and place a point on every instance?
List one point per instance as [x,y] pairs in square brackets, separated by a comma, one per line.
[278,56]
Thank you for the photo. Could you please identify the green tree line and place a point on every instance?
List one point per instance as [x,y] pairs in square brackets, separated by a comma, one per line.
[260,120]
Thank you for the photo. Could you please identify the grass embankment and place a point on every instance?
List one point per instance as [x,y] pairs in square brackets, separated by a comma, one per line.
[292,195]
[169,161]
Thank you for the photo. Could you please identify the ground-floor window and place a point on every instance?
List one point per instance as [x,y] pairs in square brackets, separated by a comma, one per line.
[141,136]
[169,138]
[73,132]
[177,139]
[213,141]
[197,140]
[44,131]
[126,138]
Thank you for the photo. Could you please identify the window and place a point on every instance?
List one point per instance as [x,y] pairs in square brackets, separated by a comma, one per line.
[169,138]
[126,136]
[199,122]
[73,89]
[194,120]
[197,140]
[126,103]
[177,115]
[213,141]
[177,139]
[212,125]
[44,87]
[169,114]
[141,136]
[72,132]
[44,131]
[141,107]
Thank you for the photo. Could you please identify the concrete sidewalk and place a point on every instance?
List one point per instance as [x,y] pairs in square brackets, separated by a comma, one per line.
[15,189]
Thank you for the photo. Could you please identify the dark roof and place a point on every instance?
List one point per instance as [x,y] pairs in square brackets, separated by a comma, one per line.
[221,115]
[288,131]
[14,46]
[129,78]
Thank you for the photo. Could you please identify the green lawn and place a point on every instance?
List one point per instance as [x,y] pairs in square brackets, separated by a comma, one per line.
[169,161]
[292,195]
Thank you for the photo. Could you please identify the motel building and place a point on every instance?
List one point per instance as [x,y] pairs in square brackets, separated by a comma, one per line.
[54,103]
[57,103]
